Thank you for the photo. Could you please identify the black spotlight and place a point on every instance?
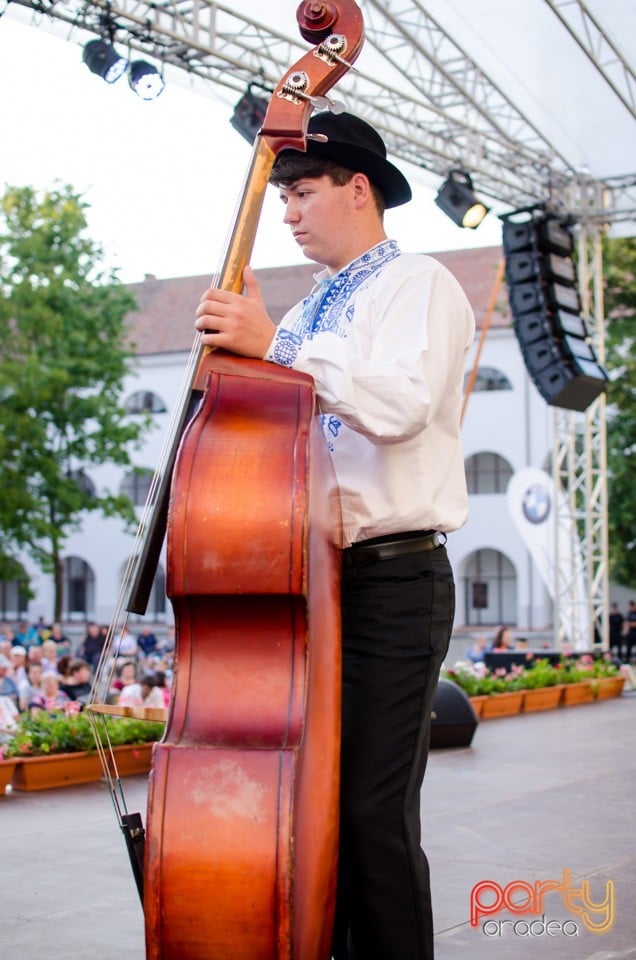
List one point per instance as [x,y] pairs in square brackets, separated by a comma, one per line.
[457,200]
[248,115]
[102,58]
[145,80]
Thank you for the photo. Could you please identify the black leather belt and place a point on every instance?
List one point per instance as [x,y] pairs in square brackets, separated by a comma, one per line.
[397,545]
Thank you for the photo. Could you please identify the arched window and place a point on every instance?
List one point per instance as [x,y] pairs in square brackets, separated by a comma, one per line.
[489,378]
[490,589]
[79,588]
[144,401]
[136,485]
[14,598]
[487,473]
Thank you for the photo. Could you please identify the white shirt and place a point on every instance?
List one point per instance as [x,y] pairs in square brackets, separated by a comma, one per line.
[385,341]
[130,696]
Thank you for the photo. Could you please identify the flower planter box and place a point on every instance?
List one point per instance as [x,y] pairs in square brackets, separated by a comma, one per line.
[502,704]
[543,698]
[607,687]
[7,769]
[477,704]
[66,769]
[575,693]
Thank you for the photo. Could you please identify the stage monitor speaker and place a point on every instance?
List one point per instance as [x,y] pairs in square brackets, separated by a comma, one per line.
[454,721]
[546,310]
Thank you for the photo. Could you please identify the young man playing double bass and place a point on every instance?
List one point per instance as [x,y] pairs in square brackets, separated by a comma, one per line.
[384,335]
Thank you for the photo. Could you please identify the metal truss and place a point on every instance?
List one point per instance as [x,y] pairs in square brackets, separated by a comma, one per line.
[436,109]
[604,54]
[433,104]
[580,474]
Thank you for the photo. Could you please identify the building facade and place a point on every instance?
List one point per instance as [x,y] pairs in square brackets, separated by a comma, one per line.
[506,427]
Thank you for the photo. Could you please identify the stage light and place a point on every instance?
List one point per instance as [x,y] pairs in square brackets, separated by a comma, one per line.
[457,200]
[145,80]
[102,58]
[248,115]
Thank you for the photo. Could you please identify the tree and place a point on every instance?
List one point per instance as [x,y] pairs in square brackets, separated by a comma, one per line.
[620,309]
[63,356]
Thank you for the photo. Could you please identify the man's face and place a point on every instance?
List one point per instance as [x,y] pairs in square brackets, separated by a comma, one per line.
[317,212]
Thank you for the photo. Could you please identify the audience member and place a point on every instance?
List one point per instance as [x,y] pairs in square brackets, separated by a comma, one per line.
[163,684]
[63,664]
[31,686]
[476,651]
[125,674]
[60,639]
[42,628]
[93,644]
[8,686]
[147,641]
[24,636]
[630,636]
[78,684]
[50,698]
[8,718]
[503,641]
[616,626]
[146,693]
[125,645]
[49,656]
[167,644]
[34,654]
[18,659]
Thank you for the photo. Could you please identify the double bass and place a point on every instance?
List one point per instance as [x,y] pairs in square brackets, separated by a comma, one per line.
[238,857]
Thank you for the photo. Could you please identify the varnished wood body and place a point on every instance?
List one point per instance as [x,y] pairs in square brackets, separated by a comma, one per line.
[241,839]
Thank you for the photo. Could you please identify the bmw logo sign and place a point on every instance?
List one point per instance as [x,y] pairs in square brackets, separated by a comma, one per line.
[536,503]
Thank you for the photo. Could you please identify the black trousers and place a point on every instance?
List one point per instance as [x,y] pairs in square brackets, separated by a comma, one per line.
[397,620]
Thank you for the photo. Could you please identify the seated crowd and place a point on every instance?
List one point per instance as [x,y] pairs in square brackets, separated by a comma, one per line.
[39,671]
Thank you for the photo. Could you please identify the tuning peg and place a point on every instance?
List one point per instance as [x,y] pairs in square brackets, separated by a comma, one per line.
[326,103]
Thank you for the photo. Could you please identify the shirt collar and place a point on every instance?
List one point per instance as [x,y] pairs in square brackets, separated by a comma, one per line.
[372,257]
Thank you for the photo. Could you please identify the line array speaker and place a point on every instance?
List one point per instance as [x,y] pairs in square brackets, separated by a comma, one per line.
[546,309]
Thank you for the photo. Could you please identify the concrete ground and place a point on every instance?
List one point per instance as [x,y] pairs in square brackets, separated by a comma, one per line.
[534,796]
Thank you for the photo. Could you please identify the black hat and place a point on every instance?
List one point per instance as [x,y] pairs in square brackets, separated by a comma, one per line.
[354,144]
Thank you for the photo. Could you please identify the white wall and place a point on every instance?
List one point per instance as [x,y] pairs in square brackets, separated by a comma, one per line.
[515,423]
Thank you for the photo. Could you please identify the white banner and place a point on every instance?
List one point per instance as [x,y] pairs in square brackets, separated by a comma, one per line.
[532,501]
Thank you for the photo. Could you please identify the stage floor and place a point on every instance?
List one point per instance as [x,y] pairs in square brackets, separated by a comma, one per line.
[533,796]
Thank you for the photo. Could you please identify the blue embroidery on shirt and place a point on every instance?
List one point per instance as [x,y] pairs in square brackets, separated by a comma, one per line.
[331,428]
[286,347]
[330,305]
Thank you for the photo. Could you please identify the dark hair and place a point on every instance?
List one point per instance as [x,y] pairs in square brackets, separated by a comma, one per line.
[126,663]
[63,664]
[76,665]
[291,166]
